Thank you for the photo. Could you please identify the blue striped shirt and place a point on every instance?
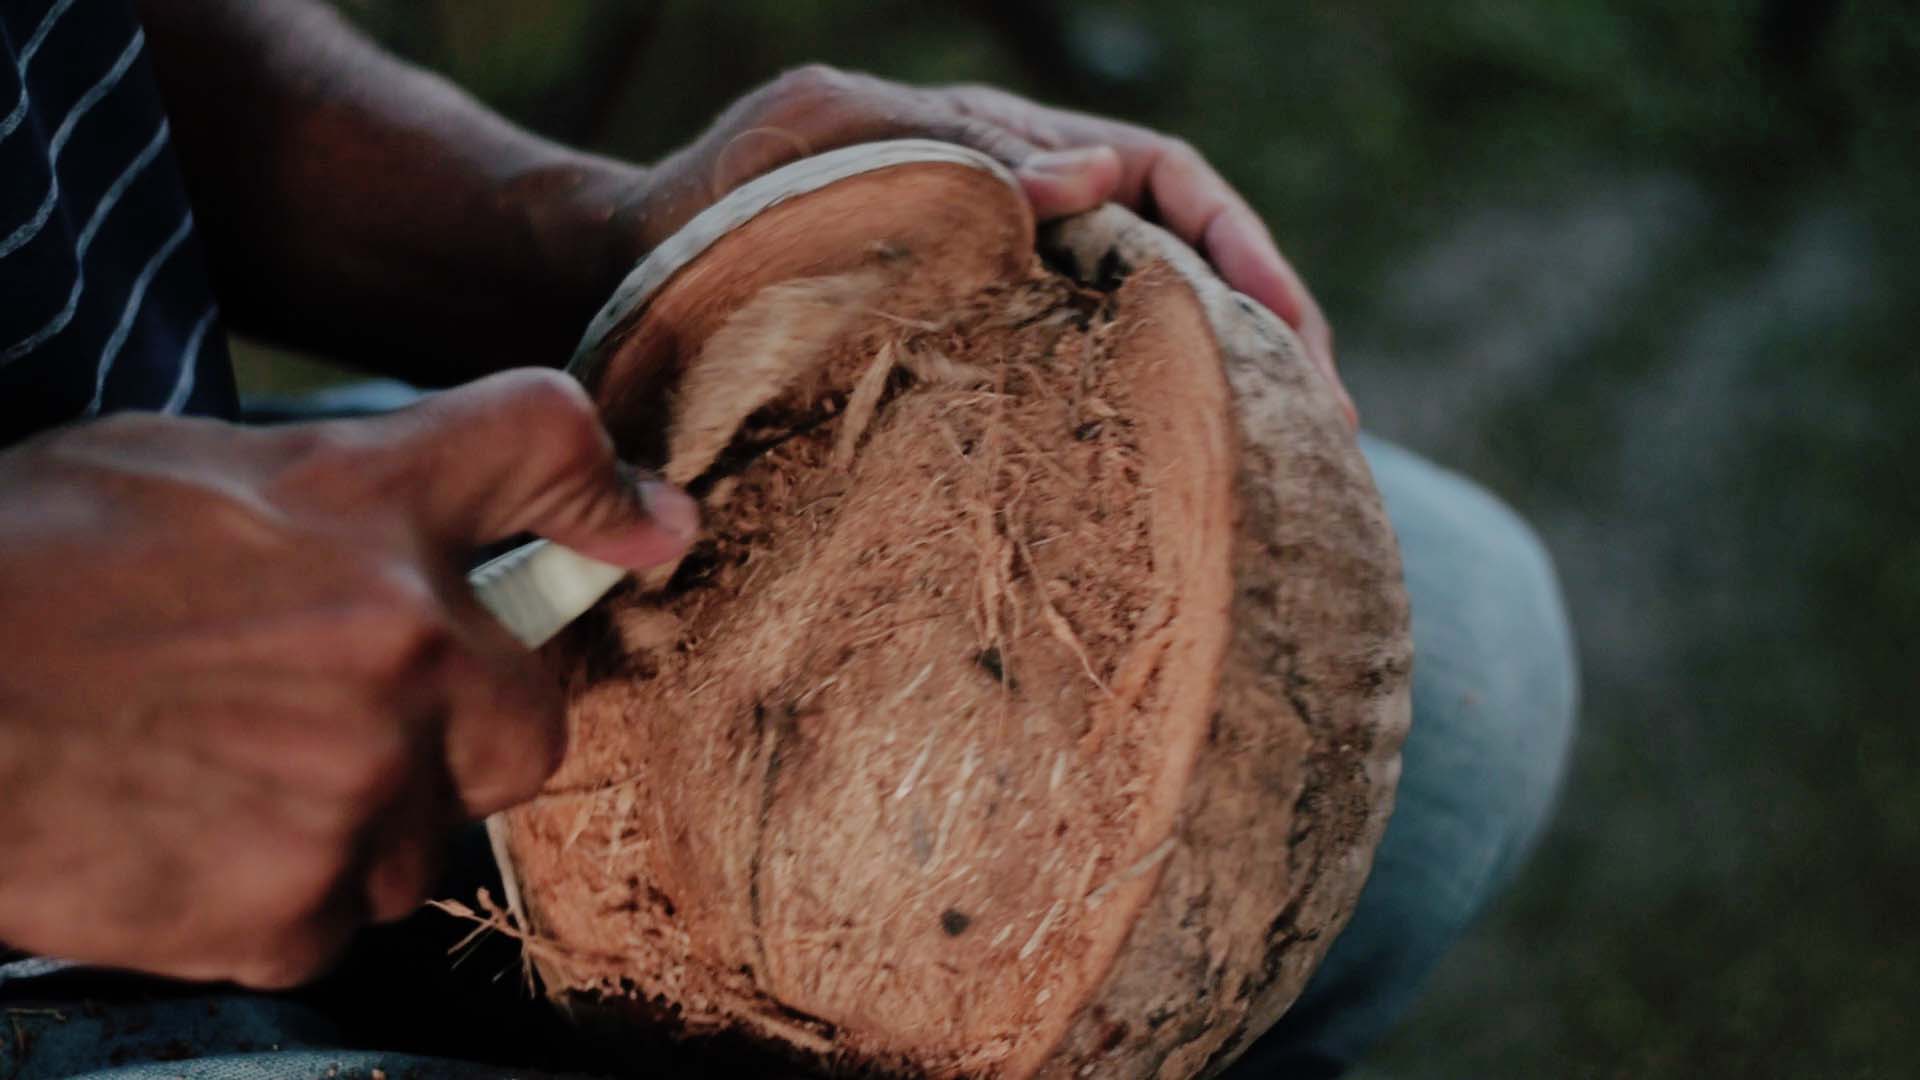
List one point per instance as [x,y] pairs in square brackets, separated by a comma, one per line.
[104,298]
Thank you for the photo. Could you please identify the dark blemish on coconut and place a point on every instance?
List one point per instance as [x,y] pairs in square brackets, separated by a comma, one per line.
[990,661]
[1087,430]
[1085,307]
[696,569]
[955,922]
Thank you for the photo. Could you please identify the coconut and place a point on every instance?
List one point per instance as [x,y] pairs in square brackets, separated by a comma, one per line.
[1031,704]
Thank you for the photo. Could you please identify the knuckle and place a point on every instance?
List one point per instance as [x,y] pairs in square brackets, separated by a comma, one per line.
[971,100]
[816,101]
[392,901]
[568,422]
[553,396]
[514,758]
[400,882]
[1180,153]
[986,137]
[992,105]
[809,81]
[557,404]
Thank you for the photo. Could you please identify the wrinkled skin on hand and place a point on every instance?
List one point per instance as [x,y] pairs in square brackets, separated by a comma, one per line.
[1066,161]
[246,688]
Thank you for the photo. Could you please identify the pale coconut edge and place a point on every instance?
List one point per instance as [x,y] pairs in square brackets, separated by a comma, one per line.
[630,298]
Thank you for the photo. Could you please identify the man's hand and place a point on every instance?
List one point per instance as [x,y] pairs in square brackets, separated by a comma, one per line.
[1066,161]
[245,688]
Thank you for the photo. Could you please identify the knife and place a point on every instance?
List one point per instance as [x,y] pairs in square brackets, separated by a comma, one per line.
[536,589]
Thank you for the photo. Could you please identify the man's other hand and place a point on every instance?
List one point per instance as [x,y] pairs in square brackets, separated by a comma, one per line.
[244,688]
[1066,162]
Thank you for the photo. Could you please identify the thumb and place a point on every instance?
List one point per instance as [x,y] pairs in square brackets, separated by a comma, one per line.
[524,451]
[1062,182]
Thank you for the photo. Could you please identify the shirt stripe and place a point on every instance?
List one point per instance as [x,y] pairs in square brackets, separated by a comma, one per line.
[19,113]
[94,93]
[105,302]
[107,202]
[189,363]
[40,33]
[135,296]
[31,227]
[88,100]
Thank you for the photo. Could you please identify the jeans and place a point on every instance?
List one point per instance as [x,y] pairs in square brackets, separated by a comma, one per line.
[1495,688]
[1494,697]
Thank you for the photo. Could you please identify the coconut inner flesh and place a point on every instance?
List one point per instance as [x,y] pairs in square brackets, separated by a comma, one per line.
[886,769]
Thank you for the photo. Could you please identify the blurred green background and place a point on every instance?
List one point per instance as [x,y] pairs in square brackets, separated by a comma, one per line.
[1648,270]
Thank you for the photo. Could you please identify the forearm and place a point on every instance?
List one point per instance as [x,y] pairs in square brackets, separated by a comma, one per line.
[356,205]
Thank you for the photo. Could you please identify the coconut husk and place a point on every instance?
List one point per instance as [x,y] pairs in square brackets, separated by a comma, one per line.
[1031,705]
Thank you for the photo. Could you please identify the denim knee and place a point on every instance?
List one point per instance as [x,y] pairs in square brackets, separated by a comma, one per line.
[1496,682]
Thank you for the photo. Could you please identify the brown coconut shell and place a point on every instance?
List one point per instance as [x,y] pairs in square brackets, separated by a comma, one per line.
[1032,705]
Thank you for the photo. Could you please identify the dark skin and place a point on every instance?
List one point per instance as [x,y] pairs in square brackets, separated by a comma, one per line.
[247,691]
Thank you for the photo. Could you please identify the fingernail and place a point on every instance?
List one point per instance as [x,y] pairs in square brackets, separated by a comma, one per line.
[1063,162]
[670,508]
